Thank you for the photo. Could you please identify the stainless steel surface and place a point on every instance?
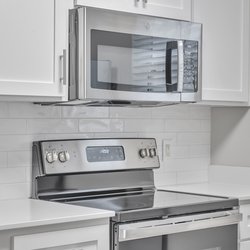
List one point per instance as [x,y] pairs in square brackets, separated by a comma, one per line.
[180,82]
[113,21]
[76,156]
[68,185]
[90,18]
[114,174]
[141,230]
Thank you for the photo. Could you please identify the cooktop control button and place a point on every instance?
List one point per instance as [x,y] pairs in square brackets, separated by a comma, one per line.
[143,152]
[64,156]
[152,152]
[51,157]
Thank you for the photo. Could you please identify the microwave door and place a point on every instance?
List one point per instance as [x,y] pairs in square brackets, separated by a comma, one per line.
[174,66]
[127,67]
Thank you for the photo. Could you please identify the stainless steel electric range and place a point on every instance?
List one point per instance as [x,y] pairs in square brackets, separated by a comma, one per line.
[117,174]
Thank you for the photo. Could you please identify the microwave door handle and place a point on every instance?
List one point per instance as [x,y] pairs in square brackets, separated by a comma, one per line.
[180,52]
[170,47]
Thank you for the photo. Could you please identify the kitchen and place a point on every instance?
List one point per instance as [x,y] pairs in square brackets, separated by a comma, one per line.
[183,132]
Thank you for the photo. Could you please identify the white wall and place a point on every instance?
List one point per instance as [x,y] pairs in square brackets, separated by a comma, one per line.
[230,136]
[186,128]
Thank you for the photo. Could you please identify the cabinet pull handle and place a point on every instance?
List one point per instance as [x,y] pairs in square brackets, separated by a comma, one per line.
[63,60]
[145,1]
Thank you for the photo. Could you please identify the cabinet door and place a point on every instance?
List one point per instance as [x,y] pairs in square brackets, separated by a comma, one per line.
[225,48]
[90,238]
[33,38]
[176,9]
[245,223]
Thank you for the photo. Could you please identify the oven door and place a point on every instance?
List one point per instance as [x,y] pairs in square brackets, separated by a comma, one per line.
[216,231]
[136,58]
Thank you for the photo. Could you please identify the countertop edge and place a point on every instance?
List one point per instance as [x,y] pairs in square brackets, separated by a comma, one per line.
[34,213]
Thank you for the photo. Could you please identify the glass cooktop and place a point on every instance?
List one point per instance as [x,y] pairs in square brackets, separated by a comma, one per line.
[142,205]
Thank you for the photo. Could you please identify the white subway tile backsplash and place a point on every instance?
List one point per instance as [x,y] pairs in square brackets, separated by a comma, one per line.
[14,191]
[186,128]
[192,177]
[162,178]
[130,113]
[178,152]
[49,126]
[13,126]
[146,125]
[85,112]
[4,109]
[28,110]
[100,125]
[193,138]
[199,151]
[16,142]
[115,135]
[67,136]
[12,175]
[19,159]
[186,164]
[183,125]
[28,174]
[169,138]
[171,112]
[3,159]
[205,125]
[198,112]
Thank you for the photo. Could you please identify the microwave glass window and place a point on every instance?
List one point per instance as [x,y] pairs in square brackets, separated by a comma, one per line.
[139,63]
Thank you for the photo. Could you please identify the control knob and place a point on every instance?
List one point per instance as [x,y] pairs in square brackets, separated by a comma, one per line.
[152,152]
[143,152]
[63,156]
[51,157]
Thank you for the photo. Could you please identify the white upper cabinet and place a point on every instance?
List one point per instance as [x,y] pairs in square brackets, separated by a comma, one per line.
[225,49]
[175,9]
[33,42]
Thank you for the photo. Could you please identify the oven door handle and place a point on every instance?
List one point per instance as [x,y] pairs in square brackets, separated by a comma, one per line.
[140,230]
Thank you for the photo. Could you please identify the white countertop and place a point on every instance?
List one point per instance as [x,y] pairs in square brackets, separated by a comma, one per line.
[218,189]
[29,213]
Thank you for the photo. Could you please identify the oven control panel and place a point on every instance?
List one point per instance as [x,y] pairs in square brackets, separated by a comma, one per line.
[71,156]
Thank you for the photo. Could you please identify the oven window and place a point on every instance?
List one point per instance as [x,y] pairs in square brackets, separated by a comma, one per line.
[128,62]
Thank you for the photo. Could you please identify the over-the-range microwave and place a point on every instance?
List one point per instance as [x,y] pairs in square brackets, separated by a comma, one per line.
[124,59]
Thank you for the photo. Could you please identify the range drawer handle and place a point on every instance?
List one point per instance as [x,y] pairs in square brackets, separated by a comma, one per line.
[134,231]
